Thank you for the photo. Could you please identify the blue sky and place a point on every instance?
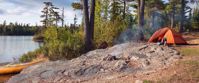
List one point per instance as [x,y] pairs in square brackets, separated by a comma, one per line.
[29,11]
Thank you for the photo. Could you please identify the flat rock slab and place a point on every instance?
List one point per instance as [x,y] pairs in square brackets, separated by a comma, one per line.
[128,58]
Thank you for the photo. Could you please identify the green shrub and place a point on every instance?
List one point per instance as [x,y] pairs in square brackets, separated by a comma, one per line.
[107,31]
[60,43]
[30,55]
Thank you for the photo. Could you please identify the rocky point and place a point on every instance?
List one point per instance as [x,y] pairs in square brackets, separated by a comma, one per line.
[103,64]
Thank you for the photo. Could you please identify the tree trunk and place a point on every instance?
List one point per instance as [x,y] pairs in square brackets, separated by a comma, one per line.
[138,13]
[182,16]
[62,21]
[141,5]
[173,16]
[56,21]
[46,19]
[172,21]
[124,11]
[87,32]
[92,18]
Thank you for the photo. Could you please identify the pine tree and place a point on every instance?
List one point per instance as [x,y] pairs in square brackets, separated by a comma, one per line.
[50,14]
[115,9]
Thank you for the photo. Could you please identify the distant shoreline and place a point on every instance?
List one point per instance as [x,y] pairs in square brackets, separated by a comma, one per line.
[17,35]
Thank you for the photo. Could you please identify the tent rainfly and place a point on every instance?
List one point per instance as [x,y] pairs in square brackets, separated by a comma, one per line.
[171,36]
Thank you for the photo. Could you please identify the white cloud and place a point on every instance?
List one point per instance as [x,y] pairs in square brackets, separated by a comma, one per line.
[29,11]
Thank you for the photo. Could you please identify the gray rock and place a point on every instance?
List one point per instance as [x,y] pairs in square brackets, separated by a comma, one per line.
[121,65]
[145,62]
[93,69]
[109,58]
[139,81]
[135,58]
[124,58]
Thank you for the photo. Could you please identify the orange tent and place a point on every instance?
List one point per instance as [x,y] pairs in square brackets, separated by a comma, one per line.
[172,36]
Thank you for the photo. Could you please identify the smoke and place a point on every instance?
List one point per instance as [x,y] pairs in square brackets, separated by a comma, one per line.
[157,20]
[127,35]
[131,35]
[135,34]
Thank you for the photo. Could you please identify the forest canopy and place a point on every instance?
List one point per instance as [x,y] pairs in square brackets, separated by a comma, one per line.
[18,29]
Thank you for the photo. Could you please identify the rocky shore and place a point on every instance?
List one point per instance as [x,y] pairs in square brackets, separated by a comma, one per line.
[101,65]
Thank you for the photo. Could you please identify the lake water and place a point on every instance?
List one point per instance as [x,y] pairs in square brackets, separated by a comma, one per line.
[12,47]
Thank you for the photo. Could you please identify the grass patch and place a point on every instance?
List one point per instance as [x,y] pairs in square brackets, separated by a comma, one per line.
[30,56]
[189,51]
[193,68]
[147,81]
[190,73]
[192,63]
